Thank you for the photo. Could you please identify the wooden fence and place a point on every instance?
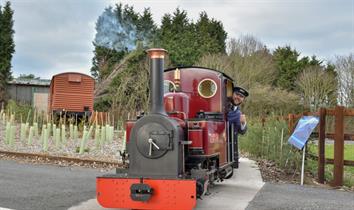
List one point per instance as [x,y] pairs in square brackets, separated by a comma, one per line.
[339,112]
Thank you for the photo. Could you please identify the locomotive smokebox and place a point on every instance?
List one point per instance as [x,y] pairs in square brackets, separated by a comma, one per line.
[157,56]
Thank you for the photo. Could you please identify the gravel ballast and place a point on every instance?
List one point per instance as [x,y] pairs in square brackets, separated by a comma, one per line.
[109,151]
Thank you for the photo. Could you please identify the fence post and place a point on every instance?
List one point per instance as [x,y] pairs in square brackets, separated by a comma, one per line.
[291,123]
[263,121]
[338,146]
[321,146]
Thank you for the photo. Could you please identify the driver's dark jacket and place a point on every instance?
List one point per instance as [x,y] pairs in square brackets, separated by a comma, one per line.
[234,116]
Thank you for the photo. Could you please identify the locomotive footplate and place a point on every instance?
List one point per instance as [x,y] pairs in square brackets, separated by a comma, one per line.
[147,193]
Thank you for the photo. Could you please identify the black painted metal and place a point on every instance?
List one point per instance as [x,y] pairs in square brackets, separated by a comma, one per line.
[164,162]
[156,86]
[140,192]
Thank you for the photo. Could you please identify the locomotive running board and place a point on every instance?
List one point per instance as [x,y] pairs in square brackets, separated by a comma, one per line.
[166,194]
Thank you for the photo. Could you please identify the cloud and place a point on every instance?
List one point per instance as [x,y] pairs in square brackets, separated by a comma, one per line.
[323,27]
[56,36]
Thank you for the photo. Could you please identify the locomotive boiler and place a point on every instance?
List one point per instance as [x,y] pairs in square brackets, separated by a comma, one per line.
[180,147]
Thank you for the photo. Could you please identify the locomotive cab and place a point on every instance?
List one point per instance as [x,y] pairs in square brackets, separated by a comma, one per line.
[200,97]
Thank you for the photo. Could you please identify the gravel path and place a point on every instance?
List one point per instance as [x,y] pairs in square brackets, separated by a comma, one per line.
[289,197]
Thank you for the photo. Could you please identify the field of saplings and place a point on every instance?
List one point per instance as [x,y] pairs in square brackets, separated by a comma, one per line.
[44,134]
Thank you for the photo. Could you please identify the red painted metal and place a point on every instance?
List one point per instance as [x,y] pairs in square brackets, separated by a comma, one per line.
[190,78]
[129,124]
[214,138]
[177,102]
[71,92]
[189,102]
[171,194]
[196,136]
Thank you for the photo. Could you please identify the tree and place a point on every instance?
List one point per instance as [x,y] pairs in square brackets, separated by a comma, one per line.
[176,36]
[248,61]
[186,41]
[318,87]
[288,66]
[146,28]
[266,100]
[104,61]
[211,35]
[7,47]
[245,45]
[252,62]
[344,67]
[129,90]
[28,76]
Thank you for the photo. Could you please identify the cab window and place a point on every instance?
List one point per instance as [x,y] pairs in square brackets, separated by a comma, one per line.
[168,86]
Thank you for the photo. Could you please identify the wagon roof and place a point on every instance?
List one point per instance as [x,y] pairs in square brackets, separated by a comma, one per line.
[199,67]
[71,73]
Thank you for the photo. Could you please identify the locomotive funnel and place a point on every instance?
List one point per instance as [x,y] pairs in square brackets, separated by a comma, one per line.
[157,56]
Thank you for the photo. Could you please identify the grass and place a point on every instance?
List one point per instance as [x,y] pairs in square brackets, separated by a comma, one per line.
[329,150]
[311,166]
[329,153]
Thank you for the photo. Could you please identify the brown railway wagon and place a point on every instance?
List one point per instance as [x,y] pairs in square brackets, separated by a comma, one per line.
[71,93]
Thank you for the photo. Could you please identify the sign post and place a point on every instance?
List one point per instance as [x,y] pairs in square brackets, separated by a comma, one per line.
[301,135]
[303,165]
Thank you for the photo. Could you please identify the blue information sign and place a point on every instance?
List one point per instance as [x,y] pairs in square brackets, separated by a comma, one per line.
[303,131]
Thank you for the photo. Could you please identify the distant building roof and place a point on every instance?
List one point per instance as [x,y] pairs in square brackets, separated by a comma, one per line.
[36,82]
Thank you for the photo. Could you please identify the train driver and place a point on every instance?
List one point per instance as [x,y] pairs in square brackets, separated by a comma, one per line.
[236,118]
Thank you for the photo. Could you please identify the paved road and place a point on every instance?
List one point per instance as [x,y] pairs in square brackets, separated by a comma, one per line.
[26,186]
[290,197]
[40,187]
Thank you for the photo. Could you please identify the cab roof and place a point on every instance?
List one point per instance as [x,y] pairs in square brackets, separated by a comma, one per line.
[199,67]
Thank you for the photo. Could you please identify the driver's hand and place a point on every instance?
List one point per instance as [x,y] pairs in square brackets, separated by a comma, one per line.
[243,119]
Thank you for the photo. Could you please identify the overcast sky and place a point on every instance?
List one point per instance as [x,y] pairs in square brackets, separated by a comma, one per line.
[56,36]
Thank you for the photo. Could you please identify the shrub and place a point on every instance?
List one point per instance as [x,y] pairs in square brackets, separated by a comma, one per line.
[21,111]
[265,142]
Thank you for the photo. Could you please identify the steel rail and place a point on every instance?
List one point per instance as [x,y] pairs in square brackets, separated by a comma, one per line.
[60,158]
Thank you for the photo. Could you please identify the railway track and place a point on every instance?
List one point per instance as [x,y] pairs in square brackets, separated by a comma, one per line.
[70,160]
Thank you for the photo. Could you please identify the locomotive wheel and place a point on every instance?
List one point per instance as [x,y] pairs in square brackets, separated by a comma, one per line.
[230,175]
[202,187]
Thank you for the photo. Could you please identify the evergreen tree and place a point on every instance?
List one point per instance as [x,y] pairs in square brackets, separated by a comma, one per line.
[186,41]
[7,47]
[288,67]
[177,36]
[146,28]
[211,35]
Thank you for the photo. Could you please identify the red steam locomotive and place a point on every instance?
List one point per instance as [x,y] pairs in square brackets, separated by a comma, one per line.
[181,146]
